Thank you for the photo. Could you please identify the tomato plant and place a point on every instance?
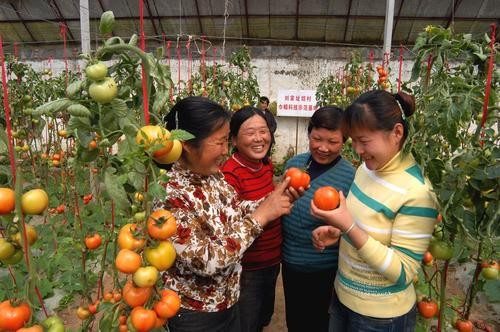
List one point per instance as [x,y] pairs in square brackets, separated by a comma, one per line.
[168,305]
[326,198]
[127,239]
[143,319]
[489,270]
[136,296]
[298,178]
[441,250]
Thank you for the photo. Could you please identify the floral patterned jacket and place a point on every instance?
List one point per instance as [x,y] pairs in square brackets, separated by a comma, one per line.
[214,228]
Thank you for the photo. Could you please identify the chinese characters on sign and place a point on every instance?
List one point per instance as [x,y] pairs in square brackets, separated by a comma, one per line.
[297,103]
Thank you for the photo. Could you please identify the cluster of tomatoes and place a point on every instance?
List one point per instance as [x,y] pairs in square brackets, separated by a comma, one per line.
[103,88]
[156,140]
[56,159]
[14,313]
[383,81]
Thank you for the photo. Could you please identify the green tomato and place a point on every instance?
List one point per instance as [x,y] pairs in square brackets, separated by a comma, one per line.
[103,91]
[53,324]
[441,250]
[140,216]
[489,273]
[96,72]
[15,258]
[6,249]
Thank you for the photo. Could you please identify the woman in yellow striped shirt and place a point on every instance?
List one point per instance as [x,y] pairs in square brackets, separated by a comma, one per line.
[385,223]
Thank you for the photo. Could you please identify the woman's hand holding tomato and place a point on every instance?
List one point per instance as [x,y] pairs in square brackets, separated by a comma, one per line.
[340,217]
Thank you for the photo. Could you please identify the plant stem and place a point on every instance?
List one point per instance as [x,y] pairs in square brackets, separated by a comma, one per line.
[471,294]
[442,295]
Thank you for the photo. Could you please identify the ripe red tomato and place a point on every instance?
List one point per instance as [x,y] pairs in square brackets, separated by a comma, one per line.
[427,259]
[161,224]
[13,317]
[464,325]
[298,178]
[93,241]
[34,328]
[7,200]
[326,198]
[427,308]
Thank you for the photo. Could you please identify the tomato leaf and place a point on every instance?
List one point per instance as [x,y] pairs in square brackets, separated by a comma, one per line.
[181,135]
[119,107]
[115,190]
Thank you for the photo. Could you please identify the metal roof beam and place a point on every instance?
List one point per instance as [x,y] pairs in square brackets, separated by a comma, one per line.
[22,22]
[151,18]
[347,19]
[397,16]
[60,17]
[453,11]
[199,18]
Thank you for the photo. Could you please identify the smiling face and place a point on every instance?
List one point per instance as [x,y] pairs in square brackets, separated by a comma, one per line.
[377,147]
[212,152]
[325,145]
[253,139]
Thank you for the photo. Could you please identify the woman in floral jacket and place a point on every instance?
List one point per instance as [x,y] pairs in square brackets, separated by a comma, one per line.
[214,226]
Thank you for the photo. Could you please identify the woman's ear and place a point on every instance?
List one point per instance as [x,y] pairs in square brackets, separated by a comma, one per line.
[398,131]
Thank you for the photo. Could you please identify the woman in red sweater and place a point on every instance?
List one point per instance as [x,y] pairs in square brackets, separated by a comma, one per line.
[250,172]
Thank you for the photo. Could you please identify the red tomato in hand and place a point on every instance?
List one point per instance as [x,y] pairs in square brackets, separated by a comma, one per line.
[326,198]
[298,178]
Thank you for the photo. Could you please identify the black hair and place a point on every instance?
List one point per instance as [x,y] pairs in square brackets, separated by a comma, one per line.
[264,99]
[199,116]
[379,110]
[243,115]
[327,117]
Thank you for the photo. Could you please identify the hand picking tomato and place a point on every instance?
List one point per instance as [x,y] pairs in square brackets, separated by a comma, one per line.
[427,308]
[298,178]
[326,198]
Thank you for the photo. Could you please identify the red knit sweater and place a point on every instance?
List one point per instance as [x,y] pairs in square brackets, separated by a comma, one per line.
[252,181]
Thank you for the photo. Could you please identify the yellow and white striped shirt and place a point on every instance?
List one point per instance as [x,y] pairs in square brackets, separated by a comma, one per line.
[396,207]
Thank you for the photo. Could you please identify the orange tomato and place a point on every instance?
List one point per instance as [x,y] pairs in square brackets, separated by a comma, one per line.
[128,261]
[143,319]
[13,317]
[7,200]
[93,241]
[155,136]
[326,198]
[136,296]
[34,328]
[161,224]
[126,238]
[298,178]
[168,305]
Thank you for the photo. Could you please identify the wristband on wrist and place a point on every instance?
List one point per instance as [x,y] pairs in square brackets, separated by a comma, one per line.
[349,229]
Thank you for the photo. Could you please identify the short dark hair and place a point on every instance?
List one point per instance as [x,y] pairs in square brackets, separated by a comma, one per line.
[199,116]
[327,117]
[264,99]
[379,110]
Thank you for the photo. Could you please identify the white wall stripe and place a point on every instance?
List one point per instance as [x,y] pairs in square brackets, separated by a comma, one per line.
[383,182]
